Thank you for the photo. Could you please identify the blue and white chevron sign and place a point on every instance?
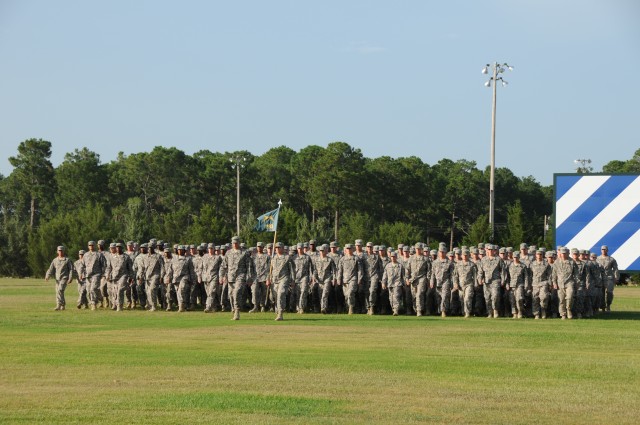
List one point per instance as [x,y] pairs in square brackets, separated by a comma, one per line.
[595,210]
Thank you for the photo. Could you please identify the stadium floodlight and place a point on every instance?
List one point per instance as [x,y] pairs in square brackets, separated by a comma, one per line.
[497,69]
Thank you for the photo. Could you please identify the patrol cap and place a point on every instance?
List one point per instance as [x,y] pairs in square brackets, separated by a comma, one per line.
[259,244]
[305,245]
[584,252]
[405,248]
[202,247]
[418,245]
[488,246]
[182,247]
[563,250]
[604,247]
[235,239]
[433,252]
[211,246]
[474,250]
[358,242]
[593,255]
[442,248]
[575,251]
[348,246]
[412,250]
[192,246]
[523,246]
[376,248]
[167,249]
[481,251]
[312,242]
[160,242]
[481,245]
[112,245]
[508,249]
[227,246]
[501,251]
[370,244]
[299,246]
[269,245]
[243,245]
[176,246]
[400,245]
[393,254]
[81,252]
[129,243]
[382,247]
[516,255]
[60,248]
[323,247]
[465,252]
[144,245]
[217,247]
[450,254]
[279,245]
[457,251]
[91,243]
[540,251]
[549,254]
[101,242]
[333,245]
[119,245]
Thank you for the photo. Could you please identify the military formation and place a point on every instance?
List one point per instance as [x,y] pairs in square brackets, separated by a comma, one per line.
[360,278]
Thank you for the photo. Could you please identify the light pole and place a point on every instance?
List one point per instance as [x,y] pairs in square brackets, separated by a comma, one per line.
[584,166]
[237,161]
[493,81]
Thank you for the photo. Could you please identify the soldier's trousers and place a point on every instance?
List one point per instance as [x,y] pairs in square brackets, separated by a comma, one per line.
[93,289]
[82,293]
[170,295]
[280,290]
[579,302]
[492,296]
[350,290]
[540,297]
[119,288]
[418,292]
[302,293]
[374,287]
[466,296]
[516,299]
[444,295]
[609,285]
[141,291]
[395,297]
[324,288]
[104,290]
[183,292]
[478,301]
[61,285]
[432,300]
[152,291]
[225,296]
[407,298]
[213,296]
[112,289]
[292,297]
[363,295]
[596,298]
[236,291]
[316,296]
[565,298]
[197,291]
[258,294]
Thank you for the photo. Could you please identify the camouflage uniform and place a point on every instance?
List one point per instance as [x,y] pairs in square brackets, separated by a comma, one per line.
[418,268]
[540,278]
[597,283]
[610,276]
[362,295]
[151,269]
[133,293]
[120,273]
[465,277]
[564,275]
[581,287]
[324,273]
[338,293]
[234,269]
[62,269]
[261,264]
[197,288]
[183,275]
[139,286]
[440,282]
[94,267]
[516,285]
[303,277]
[349,277]
[374,272]
[491,272]
[393,279]
[81,274]
[283,272]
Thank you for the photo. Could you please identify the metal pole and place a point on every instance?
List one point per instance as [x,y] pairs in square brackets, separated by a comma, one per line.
[493,155]
[238,196]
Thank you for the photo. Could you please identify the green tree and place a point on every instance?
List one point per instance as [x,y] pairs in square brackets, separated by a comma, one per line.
[479,231]
[392,234]
[81,178]
[515,231]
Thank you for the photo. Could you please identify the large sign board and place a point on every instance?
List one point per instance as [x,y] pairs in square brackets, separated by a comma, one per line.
[592,210]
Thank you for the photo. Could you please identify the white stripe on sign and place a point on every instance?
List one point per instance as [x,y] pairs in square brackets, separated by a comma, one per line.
[628,252]
[576,196]
[611,215]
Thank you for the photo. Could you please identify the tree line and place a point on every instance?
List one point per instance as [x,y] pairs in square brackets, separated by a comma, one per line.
[329,193]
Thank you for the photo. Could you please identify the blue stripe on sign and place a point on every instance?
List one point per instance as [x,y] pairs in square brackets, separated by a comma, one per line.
[591,208]
[564,183]
[635,265]
[621,232]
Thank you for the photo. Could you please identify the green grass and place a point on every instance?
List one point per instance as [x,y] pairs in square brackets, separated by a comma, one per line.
[142,367]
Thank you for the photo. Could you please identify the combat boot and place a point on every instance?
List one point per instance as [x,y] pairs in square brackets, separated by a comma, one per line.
[254,309]
[57,308]
[467,315]
[519,315]
[536,317]
[496,314]
[262,309]
[93,307]
[129,305]
[181,308]
[395,312]
[79,306]
[443,314]
[279,316]
[544,314]
[569,315]
[323,311]
[419,314]
[236,314]
[514,316]
[490,315]
[350,310]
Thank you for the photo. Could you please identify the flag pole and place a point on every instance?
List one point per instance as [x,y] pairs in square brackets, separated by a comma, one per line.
[275,234]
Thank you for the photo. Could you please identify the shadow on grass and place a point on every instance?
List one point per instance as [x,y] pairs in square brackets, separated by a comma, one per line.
[619,315]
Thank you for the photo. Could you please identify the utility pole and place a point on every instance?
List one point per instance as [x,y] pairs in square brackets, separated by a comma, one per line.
[237,161]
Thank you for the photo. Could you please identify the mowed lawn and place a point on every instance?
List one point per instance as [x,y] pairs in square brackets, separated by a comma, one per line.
[142,367]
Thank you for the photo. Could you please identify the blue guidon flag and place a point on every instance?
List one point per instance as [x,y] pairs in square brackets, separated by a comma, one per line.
[268,222]
[592,210]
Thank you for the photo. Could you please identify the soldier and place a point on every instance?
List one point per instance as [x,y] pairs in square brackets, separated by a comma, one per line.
[197,289]
[491,273]
[597,290]
[611,276]
[564,275]
[139,287]
[581,284]
[362,296]
[552,304]
[184,275]
[151,269]
[304,273]
[540,278]
[210,277]
[350,276]
[62,268]
[132,292]
[338,292]
[465,278]
[261,266]
[393,281]
[104,285]
[383,299]
[479,308]
[94,267]
[418,268]
[81,277]
[515,287]
[169,291]
[282,274]
[374,273]
[111,286]
[440,281]
[233,272]
[120,273]
[324,273]
[525,260]
[404,254]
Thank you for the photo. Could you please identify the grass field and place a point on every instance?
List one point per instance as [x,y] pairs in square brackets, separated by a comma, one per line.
[142,367]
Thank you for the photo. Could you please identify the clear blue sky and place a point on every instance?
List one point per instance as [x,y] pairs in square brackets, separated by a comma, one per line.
[393,78]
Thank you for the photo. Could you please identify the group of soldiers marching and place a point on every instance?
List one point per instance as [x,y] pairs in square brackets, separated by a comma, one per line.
[361,278]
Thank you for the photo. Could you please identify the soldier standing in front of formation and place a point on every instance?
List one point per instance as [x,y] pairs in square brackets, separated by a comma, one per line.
[120,274]
[349,276]
[516,283]
[440,282]
[324,274]
[62,269]
[314,289]
[491,273]
[282,274]
[81,277]
[304,270]
[139,285]
[465,278]
[418,268]
[564,275]
[338,292]
[611,276]
[233,271]
[393,280]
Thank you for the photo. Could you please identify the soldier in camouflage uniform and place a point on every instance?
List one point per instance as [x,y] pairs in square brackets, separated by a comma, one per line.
[197,290]
[552,303]
[211,263]
[81,277]
[261,266]
[183,275]
[362,296]
[62,268]
[418,269]
[151,270]
[516,284]
[611,276]
[596,287]
[169,290]
[564,275]
[404,255]
[132,290]
[282,274]
[479,308]
[94,267]
[540,278]
[338,292]
[581,284]
[111,285]
[441,280]
[120,273]
[139,287]
[350,276]
[393,280]
[374,273]
[491,273]
[304,274]
[104,285]
[465,279]
[383,299]
[324,273]
[233,271]
[526,259]
[315,292]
